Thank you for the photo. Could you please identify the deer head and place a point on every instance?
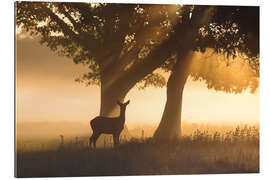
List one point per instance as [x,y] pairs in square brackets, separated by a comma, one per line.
[123,107]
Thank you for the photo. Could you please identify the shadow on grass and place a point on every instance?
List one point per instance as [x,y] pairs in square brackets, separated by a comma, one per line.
[137,157]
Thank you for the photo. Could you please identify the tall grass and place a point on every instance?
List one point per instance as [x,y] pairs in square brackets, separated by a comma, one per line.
[234,151]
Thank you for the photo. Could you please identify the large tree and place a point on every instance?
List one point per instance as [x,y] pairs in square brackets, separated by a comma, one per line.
[113,40]
[230,31]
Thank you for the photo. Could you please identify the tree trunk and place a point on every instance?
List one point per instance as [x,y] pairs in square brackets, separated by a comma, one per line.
[109,98]
[170,124]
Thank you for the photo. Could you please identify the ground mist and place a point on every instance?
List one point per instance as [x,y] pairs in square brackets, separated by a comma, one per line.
[231,151]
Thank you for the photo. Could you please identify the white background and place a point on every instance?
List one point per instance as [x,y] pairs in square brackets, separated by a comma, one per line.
[7,89]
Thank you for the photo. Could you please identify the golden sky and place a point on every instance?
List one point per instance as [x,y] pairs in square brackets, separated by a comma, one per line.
[46,91]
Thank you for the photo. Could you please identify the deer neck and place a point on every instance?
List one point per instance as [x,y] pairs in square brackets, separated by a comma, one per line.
[122,116]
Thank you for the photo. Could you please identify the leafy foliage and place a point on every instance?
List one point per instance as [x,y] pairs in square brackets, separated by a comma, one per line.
[232,30]
[113,38]
[230,75]
[153,79]
[104,37]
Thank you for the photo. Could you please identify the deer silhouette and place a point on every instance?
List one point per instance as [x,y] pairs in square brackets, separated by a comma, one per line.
[106,125]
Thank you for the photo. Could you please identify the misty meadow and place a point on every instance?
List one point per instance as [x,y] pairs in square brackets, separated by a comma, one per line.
[136,89]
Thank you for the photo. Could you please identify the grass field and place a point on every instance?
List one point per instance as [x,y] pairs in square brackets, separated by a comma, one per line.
[234,151]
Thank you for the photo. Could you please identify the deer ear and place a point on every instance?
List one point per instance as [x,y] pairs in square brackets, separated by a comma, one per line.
[127,102]
[118,103]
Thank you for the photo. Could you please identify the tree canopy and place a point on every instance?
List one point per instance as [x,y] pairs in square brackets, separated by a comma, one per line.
[105,37]
[119,38]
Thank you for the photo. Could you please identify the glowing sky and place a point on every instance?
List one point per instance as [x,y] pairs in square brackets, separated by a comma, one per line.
[46,91]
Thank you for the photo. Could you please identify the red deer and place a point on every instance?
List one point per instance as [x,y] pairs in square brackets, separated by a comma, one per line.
[105,125]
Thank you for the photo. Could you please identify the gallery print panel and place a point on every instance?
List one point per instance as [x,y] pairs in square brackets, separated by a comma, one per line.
[108,89]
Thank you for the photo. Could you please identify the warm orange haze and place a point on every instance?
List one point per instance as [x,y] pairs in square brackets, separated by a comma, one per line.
[178,85]
[47,92]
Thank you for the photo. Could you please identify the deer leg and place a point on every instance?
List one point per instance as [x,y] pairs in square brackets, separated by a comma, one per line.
[114,140]
[117,138]
[91,140]
[95,139]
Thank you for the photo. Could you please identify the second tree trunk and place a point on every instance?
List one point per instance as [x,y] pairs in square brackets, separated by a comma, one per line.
[170,124]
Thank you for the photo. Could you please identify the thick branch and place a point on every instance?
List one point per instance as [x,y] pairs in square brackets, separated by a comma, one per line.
[62,9]
[166,49]
[152,62]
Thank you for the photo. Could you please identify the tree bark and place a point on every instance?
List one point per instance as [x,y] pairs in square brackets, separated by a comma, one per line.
[170,124]
[109,98]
